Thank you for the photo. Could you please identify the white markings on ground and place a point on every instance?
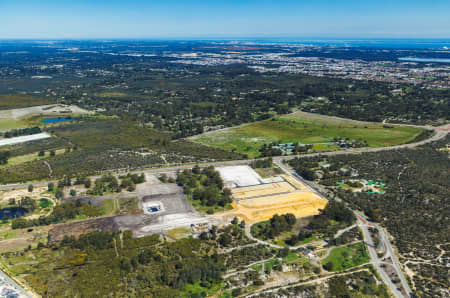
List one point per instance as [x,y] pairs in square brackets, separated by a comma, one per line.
[22,139]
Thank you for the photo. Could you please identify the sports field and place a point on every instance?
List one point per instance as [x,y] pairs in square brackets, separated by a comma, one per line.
[305,128]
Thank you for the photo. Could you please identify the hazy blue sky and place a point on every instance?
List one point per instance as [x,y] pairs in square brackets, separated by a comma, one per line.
[228,18]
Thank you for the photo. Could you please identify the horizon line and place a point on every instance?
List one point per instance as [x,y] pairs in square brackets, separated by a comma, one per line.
[230,37]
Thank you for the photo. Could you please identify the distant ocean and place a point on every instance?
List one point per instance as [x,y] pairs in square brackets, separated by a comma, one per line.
[377,43]
[434,60]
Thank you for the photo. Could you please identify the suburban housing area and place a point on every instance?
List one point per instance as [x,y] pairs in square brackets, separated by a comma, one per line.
[223,169]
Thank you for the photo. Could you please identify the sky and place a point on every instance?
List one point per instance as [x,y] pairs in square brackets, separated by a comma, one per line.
[228,18]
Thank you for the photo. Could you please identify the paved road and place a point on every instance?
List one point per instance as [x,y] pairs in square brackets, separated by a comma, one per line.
[364,224]
[374,257]
[389,253]
[440,133]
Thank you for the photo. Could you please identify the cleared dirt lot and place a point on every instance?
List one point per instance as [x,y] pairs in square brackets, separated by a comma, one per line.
[105,224]
[174,212]
[264,199]
[44,110]
[170,197]
[300,204]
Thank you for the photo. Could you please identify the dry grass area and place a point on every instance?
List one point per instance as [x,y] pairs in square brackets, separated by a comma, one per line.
[179,233]
[36,194]
[16,240]
[77,228]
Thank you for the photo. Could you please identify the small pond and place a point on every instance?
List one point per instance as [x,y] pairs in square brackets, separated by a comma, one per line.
[56,120]
[12,212]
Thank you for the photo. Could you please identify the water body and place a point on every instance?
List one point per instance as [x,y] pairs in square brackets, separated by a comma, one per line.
[386,43]
[12,212]
[434,60]
[57,120]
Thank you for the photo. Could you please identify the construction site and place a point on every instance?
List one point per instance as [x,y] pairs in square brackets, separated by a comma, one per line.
[164,207]
[257,199]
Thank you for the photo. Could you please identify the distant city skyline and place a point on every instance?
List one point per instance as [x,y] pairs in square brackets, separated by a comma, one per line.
[26,19]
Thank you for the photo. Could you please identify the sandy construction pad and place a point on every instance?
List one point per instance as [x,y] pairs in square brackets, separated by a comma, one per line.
[298,203]
[284,199]
[261,190]
[297,184]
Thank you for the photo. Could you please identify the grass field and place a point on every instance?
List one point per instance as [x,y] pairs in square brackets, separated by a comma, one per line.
[305,128]
[110,94]
[120,206]
[9,124]
[347,256]
[196,290]
[17,160]
[15,101]
[285,235]
[179,233]
[110,207]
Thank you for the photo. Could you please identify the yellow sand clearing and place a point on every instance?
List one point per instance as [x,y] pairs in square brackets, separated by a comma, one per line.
[261,190]
[298,203]
[295,182]
[283,199]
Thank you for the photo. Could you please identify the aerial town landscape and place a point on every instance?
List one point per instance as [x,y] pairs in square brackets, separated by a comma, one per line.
[222,167]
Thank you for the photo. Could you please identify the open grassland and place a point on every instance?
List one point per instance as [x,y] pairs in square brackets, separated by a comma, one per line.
[15,101]
[112,207]
[305,128]
[110,94]
[9,124]
[300,224]
[17,160]
[346,257]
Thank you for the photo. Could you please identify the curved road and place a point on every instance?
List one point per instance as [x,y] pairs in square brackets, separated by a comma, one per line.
[440,133]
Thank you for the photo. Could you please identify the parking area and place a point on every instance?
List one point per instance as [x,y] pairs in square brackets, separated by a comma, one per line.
[165,207]
[165,198]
